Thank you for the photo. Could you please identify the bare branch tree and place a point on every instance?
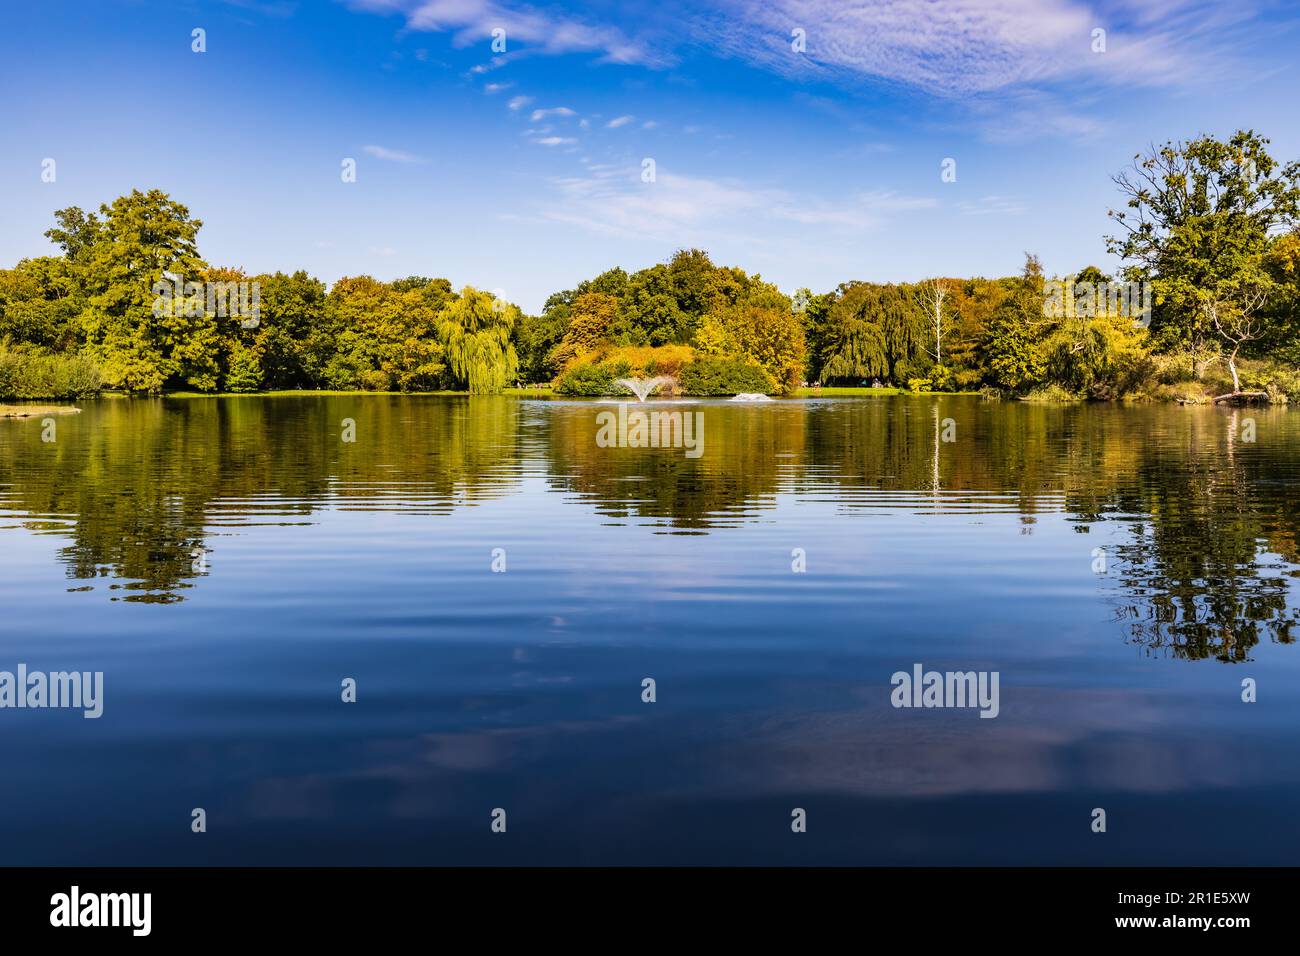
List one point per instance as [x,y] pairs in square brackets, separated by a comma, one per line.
[932,293]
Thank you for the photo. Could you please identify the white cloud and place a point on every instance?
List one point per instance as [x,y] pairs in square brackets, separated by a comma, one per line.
[555,141]
[952,48]
[649,124]
[392,155]
[688,209]
[519,102]
[472,21]
[496,87]
[618,121]
[968,47]
[554,111]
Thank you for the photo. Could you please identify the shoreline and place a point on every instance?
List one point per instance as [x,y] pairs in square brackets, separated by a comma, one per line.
[31,411]
[18,409]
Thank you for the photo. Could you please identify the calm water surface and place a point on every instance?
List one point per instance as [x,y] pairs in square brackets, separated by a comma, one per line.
[227,562]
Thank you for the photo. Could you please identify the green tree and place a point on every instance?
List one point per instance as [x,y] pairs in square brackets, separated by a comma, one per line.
[380,337]
[592,318]
[40,300]
[475,330]
[1199,216]
[141,339]
[1013,348]
[292,317]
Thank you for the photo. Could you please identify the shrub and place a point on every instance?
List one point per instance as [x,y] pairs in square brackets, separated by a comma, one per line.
[32,375]
[725,376]
[1282,384]
[595,373]
[1050,393]
[941,378]
[595,378]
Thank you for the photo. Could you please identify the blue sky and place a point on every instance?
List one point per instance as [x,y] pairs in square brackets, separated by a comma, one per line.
[521,171]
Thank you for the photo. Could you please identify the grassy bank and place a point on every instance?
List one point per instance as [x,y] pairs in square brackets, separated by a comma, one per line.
[300,392]
[854,391]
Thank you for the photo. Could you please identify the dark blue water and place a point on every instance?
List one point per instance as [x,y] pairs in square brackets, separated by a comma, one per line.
[228,563]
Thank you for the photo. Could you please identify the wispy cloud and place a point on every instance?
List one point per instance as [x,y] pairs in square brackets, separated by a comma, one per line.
[613,201]
[496,87]
[555,141]
[554,111]
[951,48]
[618,121]
[957,48]
[519,102]
[472,21]
[391,155]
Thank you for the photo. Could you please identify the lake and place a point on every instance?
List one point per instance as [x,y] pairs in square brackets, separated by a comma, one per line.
[499,585]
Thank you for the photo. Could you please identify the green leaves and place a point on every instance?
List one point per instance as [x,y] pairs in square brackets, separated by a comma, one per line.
[475,330]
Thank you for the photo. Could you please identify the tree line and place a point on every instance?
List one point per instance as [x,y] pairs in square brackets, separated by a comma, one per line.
[1206,230]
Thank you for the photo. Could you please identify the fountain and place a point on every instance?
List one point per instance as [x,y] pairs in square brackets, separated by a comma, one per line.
[642,387]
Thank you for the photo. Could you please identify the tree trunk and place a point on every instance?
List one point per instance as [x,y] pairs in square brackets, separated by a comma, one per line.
[1232,367]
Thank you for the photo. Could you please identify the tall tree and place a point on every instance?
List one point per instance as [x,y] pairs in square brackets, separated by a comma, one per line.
[475,330]
[143,340]
[932,293]
[1197,215]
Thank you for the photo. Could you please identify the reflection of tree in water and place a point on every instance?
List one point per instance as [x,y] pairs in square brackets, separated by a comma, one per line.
[138,485]
[747,452]
[1203,571]
[1212,549]
[1208,574]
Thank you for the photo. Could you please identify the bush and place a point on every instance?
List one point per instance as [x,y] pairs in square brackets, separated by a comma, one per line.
[652,360]
[32,375]
[596,378]
[595,373]
[1282,384]
[941,378]
[1050,393]
[725,376]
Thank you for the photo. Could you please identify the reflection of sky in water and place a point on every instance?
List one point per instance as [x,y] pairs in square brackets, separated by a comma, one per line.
[522,690]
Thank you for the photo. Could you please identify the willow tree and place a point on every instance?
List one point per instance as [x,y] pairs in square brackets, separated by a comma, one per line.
[852,341]
[475,331]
